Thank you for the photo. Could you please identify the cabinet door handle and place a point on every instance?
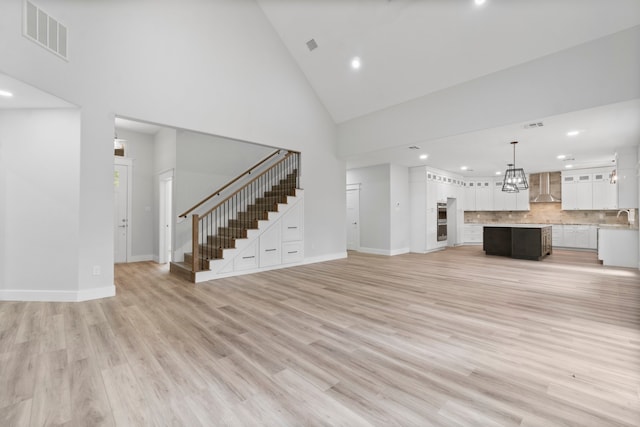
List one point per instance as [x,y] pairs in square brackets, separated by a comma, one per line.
[292,252]
[248,257]
[269,250]
[292,228]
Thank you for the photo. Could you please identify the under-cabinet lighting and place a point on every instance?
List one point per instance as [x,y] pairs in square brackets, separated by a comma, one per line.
[498,173]
[568,166]
[6,93]
[464,168]
[561,157]
[573,133]
[423,156]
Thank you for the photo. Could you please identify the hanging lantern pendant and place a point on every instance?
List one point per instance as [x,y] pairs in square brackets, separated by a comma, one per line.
[514,178]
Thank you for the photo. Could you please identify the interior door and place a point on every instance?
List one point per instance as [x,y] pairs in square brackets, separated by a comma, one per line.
[353,219]
[120,212]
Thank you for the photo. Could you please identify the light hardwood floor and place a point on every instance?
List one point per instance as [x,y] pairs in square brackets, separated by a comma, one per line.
[453,338]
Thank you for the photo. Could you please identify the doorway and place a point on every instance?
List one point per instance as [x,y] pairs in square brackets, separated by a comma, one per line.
[452,221]
[121,210]
[353,217]
[165,216]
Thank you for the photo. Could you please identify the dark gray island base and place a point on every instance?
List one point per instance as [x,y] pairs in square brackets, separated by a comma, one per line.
[532,243]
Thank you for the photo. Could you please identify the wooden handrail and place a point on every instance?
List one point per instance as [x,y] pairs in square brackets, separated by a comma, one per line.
[217,192]
[289,154]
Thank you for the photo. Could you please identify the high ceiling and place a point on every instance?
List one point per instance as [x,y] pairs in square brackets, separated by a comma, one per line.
[411,48]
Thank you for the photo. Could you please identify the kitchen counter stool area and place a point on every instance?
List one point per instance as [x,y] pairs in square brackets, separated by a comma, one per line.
[533,243]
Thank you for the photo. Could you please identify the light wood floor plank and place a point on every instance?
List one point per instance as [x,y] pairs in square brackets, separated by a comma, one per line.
[453,338]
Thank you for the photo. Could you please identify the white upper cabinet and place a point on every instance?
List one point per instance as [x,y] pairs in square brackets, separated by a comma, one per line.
[605,194]
[485,194]
[588,189]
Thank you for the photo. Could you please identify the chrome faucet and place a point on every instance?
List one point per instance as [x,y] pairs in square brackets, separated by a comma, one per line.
[630,215]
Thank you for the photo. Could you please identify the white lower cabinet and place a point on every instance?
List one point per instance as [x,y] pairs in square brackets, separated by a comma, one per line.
[562,236]
[271,246]
[575,236]
[473,233]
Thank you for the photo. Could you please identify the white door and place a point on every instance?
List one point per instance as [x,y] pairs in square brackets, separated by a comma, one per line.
[120,212]
[353,219]
[166,217]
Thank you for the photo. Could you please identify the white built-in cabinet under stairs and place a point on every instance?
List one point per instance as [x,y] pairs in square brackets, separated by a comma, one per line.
[277,243]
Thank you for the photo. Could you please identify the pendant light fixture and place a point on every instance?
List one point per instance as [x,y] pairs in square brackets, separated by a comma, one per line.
[514,178]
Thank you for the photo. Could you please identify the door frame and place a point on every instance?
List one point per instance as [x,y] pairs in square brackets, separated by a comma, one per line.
[163,177]
[128,162]
[355,187]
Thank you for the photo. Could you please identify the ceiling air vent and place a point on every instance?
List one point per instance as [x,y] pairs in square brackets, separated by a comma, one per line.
[533,125]
[311,44]
[45,30]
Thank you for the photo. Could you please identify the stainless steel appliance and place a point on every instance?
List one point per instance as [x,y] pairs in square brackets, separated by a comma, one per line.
[442,222]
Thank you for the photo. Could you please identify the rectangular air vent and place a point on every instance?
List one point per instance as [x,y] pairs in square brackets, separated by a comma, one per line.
[533,125]
[45,30]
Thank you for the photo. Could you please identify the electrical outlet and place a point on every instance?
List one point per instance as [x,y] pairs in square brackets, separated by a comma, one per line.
[96,270]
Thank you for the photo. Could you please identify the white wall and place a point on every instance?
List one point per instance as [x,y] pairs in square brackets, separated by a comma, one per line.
[399,217]
[601,72]
[375,187]
[39,172]
[216,67]
[140,148]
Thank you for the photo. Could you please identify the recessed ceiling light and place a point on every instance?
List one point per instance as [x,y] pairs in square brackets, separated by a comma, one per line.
[355,63]
[423,156]
[573,133]
[5,93]
[479,2]
[464,168]
[568,166]
[561,157]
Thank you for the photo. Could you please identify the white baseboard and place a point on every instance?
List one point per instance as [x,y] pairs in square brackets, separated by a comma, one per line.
[400,251]
[141,258]
[56,296]
[387,252]
[324,258]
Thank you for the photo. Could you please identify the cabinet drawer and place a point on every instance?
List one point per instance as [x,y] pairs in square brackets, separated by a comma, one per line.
[270,247]
[247,259]
[292,222]
[292,252]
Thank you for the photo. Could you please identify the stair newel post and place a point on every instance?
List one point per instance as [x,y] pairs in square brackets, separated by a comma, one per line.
[195,240]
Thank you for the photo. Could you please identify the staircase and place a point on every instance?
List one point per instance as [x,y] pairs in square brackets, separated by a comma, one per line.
[223,230]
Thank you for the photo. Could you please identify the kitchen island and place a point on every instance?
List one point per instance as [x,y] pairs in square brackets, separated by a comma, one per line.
[533,243]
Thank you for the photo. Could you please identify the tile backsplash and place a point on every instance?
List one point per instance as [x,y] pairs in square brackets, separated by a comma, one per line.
[546,213]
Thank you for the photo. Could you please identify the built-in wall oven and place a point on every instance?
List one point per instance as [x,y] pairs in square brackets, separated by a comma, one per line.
[442,222]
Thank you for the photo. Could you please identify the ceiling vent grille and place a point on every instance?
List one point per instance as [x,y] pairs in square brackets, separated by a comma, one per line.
[45,30]
[311,44]
[533,125]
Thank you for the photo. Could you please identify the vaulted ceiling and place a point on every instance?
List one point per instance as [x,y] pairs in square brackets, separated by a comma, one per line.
[412,48]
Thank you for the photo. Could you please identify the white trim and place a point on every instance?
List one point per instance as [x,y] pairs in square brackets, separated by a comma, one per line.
[141,258]
[400,251]
[387,252]
[374,251]
[325,258]
[57,296]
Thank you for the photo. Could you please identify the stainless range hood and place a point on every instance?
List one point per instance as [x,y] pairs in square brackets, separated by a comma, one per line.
[544,190]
